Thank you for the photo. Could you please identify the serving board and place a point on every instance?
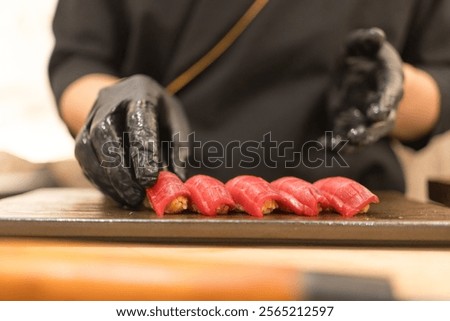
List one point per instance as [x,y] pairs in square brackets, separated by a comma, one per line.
[87,214]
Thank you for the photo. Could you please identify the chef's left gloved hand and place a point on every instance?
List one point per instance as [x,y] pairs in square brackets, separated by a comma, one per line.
[366,90]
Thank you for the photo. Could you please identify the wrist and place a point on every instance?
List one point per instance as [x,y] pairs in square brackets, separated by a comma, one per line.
[79,97]
[419,109]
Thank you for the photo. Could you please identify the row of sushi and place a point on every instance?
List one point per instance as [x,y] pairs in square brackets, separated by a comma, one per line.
[255,196]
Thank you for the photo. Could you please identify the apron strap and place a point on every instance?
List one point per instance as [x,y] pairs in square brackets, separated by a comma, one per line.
[218,50]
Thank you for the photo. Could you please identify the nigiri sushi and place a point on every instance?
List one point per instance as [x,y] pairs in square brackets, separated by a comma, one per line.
[253,195]
[168,195]
[345,195]
[209,196]
[301,196]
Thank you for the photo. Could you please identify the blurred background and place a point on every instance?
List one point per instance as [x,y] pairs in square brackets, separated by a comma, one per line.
[37,150]
[31,133]
[29,126]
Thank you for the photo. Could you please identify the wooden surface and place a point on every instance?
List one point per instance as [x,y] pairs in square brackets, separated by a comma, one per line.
[59,268]
[66,270]
[38,270]
[85,213]
[439,191]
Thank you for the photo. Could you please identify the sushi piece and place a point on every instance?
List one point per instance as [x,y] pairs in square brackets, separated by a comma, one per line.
[345,195]
[253,195]
[209,195]
[301,197]
[168,195]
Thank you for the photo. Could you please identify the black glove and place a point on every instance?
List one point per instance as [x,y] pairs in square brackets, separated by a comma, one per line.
[366,90]
[119,146]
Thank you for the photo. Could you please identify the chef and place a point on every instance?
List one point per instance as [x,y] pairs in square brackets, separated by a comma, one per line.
[269,88]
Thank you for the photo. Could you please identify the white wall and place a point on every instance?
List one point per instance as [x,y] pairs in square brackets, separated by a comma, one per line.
[29,124]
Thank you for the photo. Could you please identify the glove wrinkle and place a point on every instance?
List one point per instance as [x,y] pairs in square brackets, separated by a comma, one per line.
[120,176]
[88,161]
[143,129]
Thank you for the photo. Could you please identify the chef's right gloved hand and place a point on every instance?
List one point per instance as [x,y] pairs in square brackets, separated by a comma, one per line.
[119,146]
[366,91]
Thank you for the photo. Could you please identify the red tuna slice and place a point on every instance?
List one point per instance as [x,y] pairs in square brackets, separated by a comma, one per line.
[345,195]
[302,197]
[168,195]
[209,195]
[253,195]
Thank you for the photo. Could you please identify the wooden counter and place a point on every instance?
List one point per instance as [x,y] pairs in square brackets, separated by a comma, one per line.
[51,250]
[66,270]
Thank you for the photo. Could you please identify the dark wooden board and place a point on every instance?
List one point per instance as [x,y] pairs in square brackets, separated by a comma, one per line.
[86,214]
[439,191]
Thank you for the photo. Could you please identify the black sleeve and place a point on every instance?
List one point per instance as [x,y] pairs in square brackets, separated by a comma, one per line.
[428,48]
[89,38]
